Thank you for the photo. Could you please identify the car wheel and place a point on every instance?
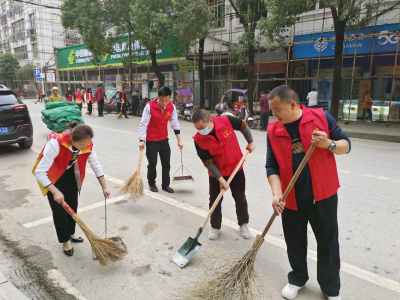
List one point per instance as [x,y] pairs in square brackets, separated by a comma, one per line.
[27,144]
[251,124]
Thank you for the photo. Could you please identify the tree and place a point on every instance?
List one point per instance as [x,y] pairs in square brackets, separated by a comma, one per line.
[250,13]
[9,66]
[26,72]
[193,22]
[101,24]
[346,14]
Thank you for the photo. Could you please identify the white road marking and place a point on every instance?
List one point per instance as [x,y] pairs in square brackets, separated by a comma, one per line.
[345,267]
[81,210]
[60,281]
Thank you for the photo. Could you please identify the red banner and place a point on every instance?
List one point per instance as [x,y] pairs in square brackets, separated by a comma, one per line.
[268,67]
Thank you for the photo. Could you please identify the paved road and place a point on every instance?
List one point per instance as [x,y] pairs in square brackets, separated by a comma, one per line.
[154,227]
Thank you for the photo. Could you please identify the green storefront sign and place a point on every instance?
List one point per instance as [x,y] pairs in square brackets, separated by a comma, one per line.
[79,57]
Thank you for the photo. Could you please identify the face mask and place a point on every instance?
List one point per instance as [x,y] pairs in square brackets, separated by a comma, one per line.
[205,131]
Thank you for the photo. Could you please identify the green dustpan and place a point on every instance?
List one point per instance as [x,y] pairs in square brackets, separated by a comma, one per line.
[191,246]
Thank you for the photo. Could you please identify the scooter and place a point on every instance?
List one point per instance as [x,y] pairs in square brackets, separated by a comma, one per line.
[245,115]
[185,103]
[186,110]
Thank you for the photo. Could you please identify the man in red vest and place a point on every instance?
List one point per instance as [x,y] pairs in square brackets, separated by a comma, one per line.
[153,133]
[314,196]
[100,97]
[218,148]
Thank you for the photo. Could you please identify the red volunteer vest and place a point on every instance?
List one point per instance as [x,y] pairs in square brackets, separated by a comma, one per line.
[60,163]
[157,129]
[322,162]
[98,94]
[226,151]
[89,97]
[68,97]
[78,97]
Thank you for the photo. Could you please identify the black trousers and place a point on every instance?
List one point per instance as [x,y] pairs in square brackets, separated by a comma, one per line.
[65,225]
[237,187]
[135,105]
[314,106]
[79,106]
[264,119]
[152,151]
[323,219]
[124,110]
[100,106]
[90,107]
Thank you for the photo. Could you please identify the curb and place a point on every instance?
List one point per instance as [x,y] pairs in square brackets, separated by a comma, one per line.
[374,136]
[8,291]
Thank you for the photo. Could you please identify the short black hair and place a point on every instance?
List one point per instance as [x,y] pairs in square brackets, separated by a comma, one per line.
[262,93]
[99,85]
[201,115]
[285,93]
[313,89]
[89,89]
[164,91]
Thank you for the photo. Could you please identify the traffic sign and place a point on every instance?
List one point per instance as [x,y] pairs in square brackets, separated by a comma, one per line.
[37,75]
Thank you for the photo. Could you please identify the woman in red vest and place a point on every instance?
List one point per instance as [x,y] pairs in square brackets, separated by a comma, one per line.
[121,104]
[89,98]
[68,95]
[314,196]
[78,97]
[100,96]
[60,171]
[153,133]
[218,148]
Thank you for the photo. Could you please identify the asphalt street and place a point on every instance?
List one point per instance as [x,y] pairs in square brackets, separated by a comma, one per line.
[158,224]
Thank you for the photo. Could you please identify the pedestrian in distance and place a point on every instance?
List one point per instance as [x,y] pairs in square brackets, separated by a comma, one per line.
[68,95]
[135,102]
[121,103]
[89,98]
[60,170]
[100,97]
[313,98]
[55,97]
[153,135]
[264,111]
[367,107]
[314,197]
[218,148]
[78,97]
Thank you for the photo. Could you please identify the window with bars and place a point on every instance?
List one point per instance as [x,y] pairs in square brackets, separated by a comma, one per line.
[21,53]
[219,12]
[18,27]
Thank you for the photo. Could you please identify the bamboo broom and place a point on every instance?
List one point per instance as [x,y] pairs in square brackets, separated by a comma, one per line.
[238,281]
[133,187]
[106,251]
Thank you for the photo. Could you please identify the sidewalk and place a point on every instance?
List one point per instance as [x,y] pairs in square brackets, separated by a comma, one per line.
[8,291]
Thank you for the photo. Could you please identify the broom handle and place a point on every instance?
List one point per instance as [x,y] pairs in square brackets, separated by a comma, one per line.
[221,193]
[140,161]
[68,208]
[289,188]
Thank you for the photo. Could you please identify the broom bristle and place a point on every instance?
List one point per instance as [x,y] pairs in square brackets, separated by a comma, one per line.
[238,281]
[106,251]
[133,187]
[120,115]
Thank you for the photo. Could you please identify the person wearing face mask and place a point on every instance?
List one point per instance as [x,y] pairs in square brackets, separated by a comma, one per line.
[60,171]
[314,197]
[218,148]
[153,135]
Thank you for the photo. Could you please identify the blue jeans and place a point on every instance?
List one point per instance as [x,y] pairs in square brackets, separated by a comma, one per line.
[264,119]
[369,111]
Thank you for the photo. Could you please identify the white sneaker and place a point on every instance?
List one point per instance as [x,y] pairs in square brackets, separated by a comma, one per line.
[333,298]
[245,232]
[213,234]
[290,291]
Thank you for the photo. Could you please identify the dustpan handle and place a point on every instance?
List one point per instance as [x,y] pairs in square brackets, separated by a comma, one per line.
[221,193]
[105,215]
[289,188]
[182,162]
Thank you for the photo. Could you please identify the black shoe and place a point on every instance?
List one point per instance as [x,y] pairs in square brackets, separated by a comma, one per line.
[70,252]
[168,189]
[153,188]
[78,240]
[101,116]
[126,117]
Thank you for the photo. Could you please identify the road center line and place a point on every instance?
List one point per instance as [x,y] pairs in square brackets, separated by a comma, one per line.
[345,267]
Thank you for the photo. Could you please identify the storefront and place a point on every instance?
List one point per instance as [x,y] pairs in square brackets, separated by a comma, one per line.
[370,70]
[76,68]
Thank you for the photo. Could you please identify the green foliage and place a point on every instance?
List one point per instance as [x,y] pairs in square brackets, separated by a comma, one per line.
[9,66]
[26,72]
[238,56]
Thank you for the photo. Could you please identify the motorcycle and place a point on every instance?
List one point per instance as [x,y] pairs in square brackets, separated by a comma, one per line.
[110,105]
[142,104]
[245,115]
[185,103]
